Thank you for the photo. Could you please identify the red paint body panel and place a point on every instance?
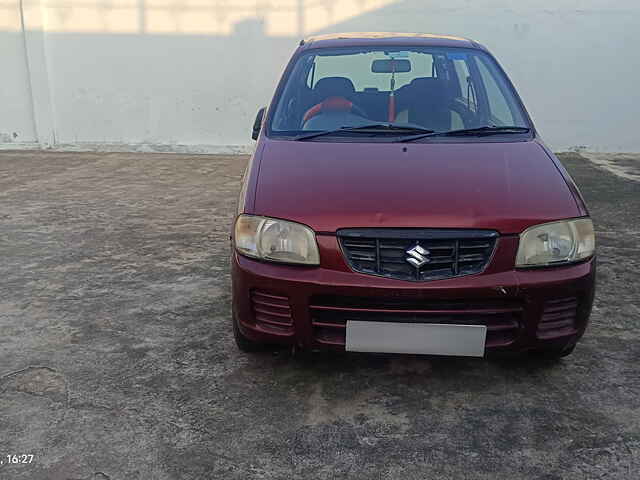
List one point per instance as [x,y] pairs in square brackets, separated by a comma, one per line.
[503,186]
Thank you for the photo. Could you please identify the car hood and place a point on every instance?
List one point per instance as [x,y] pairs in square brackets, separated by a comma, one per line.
[503,186]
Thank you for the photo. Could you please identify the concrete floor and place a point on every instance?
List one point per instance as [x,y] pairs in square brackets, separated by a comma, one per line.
[117,360]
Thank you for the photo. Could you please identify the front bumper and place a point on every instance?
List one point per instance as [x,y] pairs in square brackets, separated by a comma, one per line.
[308,307]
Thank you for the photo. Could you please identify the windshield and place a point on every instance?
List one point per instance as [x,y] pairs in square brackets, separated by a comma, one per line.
[433,89]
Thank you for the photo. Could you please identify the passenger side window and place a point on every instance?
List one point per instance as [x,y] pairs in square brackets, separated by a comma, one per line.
[499,108]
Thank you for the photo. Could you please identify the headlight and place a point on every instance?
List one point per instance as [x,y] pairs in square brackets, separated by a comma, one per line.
[556,243]
[276,240]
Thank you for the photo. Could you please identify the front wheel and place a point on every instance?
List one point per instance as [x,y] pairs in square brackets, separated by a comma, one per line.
[244,344]
[554,353]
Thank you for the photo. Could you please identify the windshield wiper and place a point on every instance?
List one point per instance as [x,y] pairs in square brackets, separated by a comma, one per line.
[374,127]
[479,131]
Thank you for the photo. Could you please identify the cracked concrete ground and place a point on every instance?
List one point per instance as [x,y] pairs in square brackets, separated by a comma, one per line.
[117,360]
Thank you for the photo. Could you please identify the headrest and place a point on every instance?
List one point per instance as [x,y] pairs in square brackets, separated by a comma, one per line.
[334,87]
[427,83]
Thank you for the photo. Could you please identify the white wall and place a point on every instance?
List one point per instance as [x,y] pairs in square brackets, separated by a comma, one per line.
[189,75]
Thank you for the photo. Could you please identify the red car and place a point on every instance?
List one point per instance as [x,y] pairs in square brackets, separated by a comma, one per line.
[400,200]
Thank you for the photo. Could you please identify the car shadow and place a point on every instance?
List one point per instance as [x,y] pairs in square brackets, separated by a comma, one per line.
[337,362]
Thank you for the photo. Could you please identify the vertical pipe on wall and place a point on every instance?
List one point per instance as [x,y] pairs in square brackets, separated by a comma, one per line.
[142,17]
[26,64]
[33,30]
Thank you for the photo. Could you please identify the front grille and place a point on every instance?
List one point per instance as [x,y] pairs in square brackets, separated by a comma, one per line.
[271,311]
[329,315]
[417,254]
[558,318]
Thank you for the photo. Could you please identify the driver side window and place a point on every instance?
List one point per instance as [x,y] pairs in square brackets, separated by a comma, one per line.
[499,108]
[468,92]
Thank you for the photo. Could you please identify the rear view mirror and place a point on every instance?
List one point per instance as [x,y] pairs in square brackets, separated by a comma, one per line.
[257,125]
[390,66]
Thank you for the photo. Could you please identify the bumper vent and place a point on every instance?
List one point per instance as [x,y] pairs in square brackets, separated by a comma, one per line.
[271,311]
[558,318]
[417,254]
[329,316]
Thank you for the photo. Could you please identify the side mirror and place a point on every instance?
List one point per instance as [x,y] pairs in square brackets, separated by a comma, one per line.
[257,125]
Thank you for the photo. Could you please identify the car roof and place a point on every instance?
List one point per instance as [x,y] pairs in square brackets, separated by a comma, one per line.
[386,38]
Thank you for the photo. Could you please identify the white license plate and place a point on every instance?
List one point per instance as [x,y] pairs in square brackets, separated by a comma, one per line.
[416,338]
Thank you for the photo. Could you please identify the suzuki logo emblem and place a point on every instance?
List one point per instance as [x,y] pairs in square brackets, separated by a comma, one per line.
[418,256]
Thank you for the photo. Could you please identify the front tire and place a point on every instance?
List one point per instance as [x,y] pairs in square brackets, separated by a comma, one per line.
[554,353]
[244,344]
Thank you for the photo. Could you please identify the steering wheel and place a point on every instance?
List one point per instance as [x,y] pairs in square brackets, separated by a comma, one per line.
[333,104]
